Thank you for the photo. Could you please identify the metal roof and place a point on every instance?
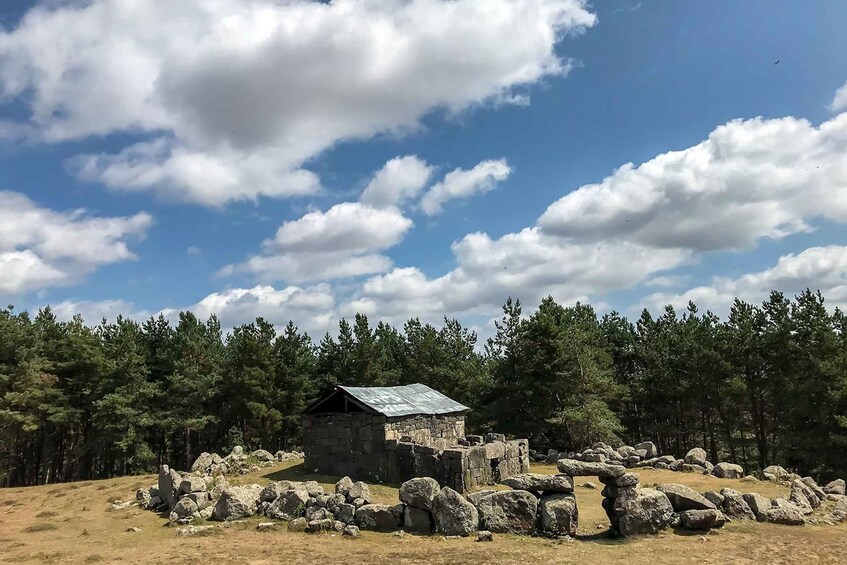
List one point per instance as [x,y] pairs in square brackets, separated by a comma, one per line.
[393,401]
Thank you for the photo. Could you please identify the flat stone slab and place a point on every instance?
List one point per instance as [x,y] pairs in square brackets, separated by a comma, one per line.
[540,483]
[574,468]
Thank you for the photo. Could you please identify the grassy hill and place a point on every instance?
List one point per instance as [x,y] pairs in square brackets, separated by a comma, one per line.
[71,523]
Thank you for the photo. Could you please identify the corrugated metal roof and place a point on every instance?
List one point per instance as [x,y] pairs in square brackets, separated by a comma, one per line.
[404,400]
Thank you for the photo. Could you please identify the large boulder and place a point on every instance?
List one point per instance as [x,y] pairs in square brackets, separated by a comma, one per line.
[184,511]
[343,485]
[684,498]
[377,517]
[647,511]
[574,468]
[814,487]
[169,481]
[509,512]
[263,455]
[453,515]
[649,449]
[839,513]
[417,520]
[758,504]
[559,513]
[734,505]
[696,456]
[273,490]
[419,492]
[539,483]
[728,471]
[776,471]
[835,487]
[802,495]
[237,503]
[346,513]
[359,490]
[191,483]
[783,512]
[289,505]
[206,462]
[475,497]
[706,519]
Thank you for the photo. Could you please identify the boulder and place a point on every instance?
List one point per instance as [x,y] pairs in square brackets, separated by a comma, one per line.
[237,503]
[419,492]
[184,511]
[143,497]
[696,456]
[778,472]
[801,493]
[317,526]
[835,487]
[315,489]
[728,471]
[758,504]
[714,497]
[204,463]
[626,451]
[734,505]
[298,525]
[191,483]
[273,490]
[813,485]
[263,455]
[539,483]
[574,468]
[684,498]
[484,535]
[688,468]
[559,514]
[624,481]
[417,520]
[350,531]
[359,490]
[346,513]
[475,497]
[509,512]
[705,519]
[785,515]
[377,517]
[649,449]
[453,515]
[168,482]
[839,513]
[289,505]
[646,512]
[343,485]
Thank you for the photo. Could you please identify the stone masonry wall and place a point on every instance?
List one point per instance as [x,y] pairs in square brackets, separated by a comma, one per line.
[436,431]
[346,444]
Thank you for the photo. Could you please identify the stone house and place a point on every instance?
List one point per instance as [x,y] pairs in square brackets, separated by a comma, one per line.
[391,434]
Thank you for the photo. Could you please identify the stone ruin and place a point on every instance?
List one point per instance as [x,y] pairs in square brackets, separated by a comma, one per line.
[537,504]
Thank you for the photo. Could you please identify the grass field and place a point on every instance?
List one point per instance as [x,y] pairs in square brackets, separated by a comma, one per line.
[70,523]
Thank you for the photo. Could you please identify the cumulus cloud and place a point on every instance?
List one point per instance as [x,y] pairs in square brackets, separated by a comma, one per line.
[528,265]
[462,184]
[342,242]
[750,179]
[41,248]
[839,103]
[399,180]
[238,94]
[311,308]
[817,268]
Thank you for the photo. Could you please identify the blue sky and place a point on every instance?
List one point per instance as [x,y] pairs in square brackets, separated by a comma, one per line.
[185,138]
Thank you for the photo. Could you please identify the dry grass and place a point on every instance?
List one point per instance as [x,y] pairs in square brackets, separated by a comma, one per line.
[85,532]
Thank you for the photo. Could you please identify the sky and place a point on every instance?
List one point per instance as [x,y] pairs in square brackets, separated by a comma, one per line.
[302,160]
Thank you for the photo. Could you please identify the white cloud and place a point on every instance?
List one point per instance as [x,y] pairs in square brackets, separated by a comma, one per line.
[41,248]
[342,242]
[750,179]
[93,311]
[462,184]
[311,308]
[240,93]
[528,265]
[817,268]
[839,103]
[399,180]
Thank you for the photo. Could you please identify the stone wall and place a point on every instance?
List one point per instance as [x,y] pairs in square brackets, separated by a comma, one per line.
[438,431]
[393,450]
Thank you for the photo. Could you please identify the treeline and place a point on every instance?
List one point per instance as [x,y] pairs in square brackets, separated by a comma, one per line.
[766,385]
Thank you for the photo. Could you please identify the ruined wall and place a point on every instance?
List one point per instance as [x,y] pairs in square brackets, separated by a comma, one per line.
[436,431]
[345,444]
[393,450]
